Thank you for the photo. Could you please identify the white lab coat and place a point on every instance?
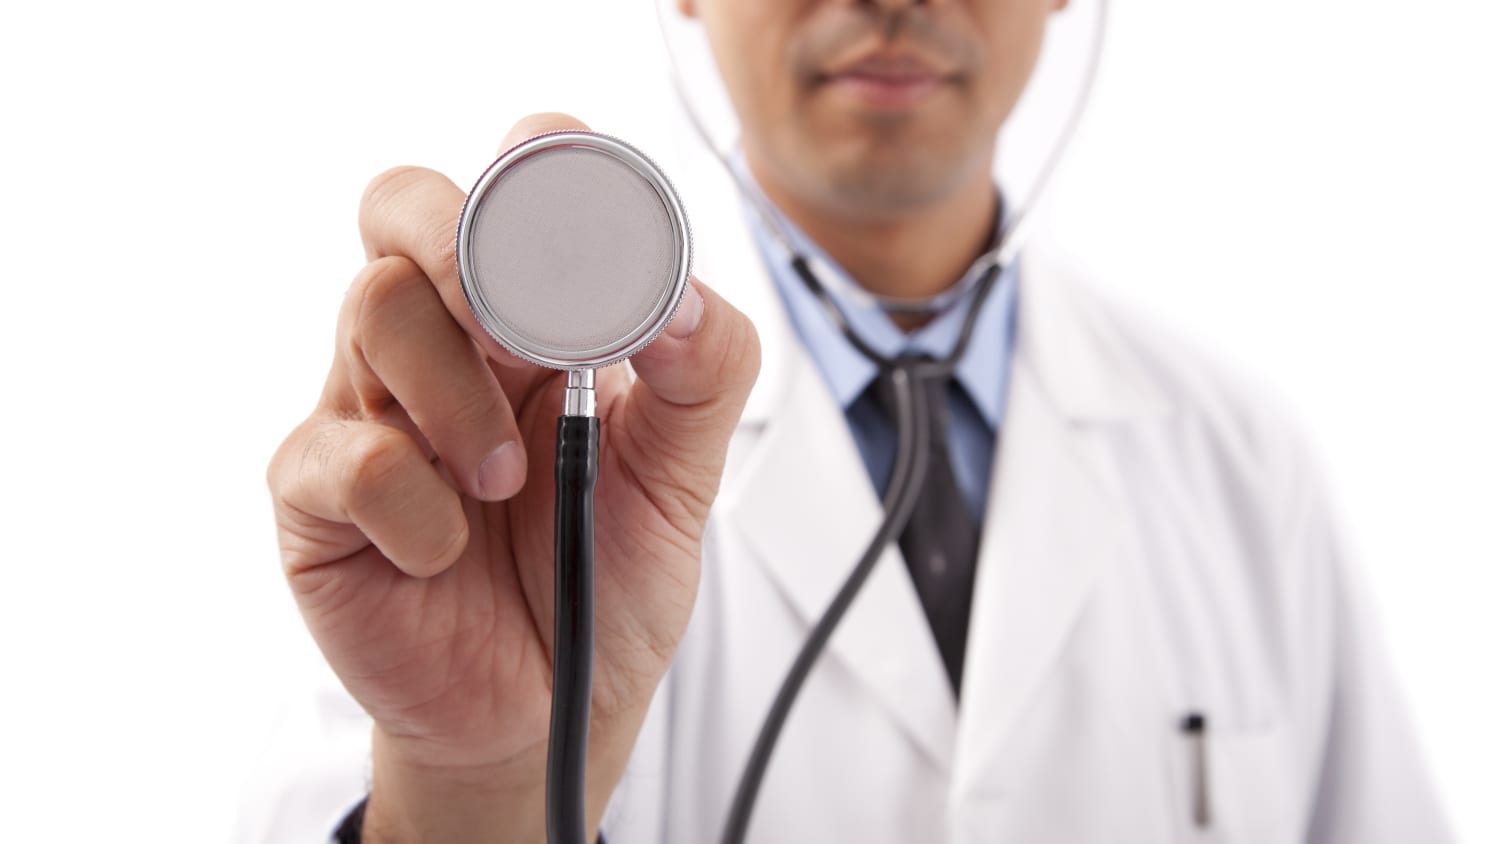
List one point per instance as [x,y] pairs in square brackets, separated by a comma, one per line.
[1157,543]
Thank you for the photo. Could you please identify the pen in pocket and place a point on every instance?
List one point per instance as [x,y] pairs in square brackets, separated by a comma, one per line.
[1195,728]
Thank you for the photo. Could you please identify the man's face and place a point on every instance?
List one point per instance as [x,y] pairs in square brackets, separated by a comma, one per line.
[872,109]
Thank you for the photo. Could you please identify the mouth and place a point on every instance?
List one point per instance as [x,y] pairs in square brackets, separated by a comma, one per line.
[888,80]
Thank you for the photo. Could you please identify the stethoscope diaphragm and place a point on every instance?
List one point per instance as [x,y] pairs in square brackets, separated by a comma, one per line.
[573,250]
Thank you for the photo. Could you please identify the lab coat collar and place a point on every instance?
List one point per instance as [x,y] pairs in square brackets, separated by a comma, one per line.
[1081,362]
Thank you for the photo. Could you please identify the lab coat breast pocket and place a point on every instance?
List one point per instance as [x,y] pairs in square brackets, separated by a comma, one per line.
[1238,785]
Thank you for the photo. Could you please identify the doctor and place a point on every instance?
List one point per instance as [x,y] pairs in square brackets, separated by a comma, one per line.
[1123,613]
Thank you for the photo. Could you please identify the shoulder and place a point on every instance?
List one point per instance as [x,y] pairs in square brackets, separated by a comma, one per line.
[1188,386]
[1199,440]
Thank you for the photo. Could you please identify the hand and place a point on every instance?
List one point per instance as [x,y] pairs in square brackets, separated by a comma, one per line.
[414,509]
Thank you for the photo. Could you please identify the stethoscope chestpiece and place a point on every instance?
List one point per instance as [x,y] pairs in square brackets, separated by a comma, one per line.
[574,250]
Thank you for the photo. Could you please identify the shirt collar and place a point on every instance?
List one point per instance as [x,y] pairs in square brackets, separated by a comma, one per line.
[982,370]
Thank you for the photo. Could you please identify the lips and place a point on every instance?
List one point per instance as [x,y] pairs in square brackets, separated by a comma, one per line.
[888,80]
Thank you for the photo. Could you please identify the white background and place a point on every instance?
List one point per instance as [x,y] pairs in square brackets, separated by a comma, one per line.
[1308,187]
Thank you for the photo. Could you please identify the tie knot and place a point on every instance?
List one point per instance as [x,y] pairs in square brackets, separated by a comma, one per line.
[921,368]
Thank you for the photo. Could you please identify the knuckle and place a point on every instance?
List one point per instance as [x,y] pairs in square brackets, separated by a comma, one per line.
[736,356]
[383,289]
[440,246]
[479,409]
[747,339]
[376,464]
[728,360]
[275,467]
[381,214]
[318,447]
[308,441]
[450,544]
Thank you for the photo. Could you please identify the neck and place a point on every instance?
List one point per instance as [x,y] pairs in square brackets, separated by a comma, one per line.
[913,253]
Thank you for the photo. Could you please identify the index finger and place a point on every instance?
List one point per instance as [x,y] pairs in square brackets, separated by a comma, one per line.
[413,212]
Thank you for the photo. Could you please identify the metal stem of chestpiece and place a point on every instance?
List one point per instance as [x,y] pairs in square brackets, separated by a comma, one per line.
[580,399]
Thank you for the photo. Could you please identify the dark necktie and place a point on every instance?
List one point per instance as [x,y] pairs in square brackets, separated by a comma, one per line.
[941,541]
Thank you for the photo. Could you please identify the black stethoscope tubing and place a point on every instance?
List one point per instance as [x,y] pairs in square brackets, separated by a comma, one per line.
[912,417]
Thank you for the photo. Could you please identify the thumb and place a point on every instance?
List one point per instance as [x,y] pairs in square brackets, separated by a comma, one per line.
[691,386]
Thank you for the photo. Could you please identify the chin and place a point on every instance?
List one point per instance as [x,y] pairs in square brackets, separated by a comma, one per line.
[887,178]
[885,163]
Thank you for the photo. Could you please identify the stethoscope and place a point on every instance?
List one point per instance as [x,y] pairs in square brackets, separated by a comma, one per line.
[574,251]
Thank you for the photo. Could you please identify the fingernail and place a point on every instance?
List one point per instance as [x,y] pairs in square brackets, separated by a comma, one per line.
[689,314]
[502,473]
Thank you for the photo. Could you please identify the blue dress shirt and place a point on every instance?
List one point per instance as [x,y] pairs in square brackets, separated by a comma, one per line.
[983,374]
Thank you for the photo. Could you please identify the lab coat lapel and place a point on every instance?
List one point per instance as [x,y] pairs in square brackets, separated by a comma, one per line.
[1048,532]
[808,511]
[1055,520]
[802,501]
